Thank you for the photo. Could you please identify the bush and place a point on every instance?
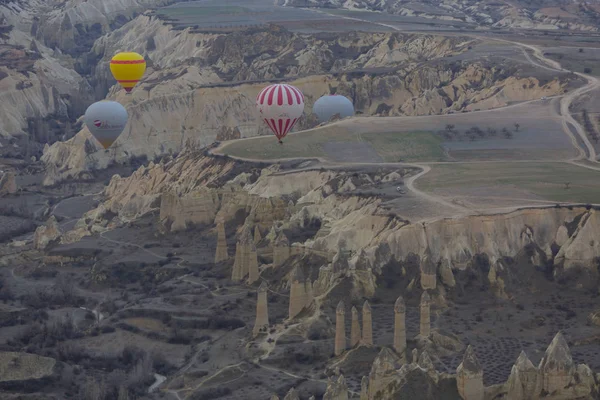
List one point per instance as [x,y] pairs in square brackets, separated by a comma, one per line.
[587,70]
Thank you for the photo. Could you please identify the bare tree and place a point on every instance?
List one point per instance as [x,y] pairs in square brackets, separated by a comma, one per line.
[450,127]
[492,132]
[517,127]
[567,184]
[507,134]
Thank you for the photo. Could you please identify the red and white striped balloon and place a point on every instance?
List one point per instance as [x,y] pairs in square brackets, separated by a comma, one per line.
[280,106]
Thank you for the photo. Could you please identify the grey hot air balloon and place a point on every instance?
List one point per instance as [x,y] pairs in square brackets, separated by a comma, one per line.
[106,120]
[330,105]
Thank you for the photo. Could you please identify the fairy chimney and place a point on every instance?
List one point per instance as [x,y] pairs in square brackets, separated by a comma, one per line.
[252,264]
[340,329]
[281,249]
[221,253]
[354,328]
[262,311]
[428,273]
[556,367]
[297,293]
[400,328]
[425,326]
[367,333]
[524,381]
[242,255]
[364,388]
[337,389]
[469,377]
[257,236]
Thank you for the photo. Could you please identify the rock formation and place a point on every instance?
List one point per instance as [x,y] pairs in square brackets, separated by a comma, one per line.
[336,389]
[221,253]
[262,311]
[340,329]
[556,367]
[469,377]
[252,261]
[292,395]
[257,236]
[428,274]
[281,249]
[364,388]
[400,328]
[47,234]
[298,293]
[367,333]
[383,371]
[425,307]
[355,333]
[8,184]
[524,381]
[245,256]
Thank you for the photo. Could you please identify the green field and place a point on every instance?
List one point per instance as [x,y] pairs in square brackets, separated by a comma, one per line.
[391,147]
[546,180]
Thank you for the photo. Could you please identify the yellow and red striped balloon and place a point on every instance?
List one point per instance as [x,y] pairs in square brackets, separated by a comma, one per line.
[128,68]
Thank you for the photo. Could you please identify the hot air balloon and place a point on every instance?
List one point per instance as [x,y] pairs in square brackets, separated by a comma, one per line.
[128,69]
[330,105]
[280,106]
[106,120]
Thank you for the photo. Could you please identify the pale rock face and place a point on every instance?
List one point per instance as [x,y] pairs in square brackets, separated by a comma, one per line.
[336,389]
[557,366]
[292,395]
[469,377]
[8,184]
[47,234]
[382,370]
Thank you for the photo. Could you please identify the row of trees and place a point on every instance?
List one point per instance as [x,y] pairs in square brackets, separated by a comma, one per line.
[475,132]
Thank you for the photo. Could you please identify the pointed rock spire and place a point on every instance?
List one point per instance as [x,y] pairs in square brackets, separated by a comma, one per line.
[469,376]
[367,333]
[292,395]
[340,329]
[257,236]
[399,305]
[425,361]
[557,365]
[400,328]
[364,388]
[354,328]
[337,389]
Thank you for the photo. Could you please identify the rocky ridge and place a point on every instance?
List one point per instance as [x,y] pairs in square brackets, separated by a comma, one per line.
[553,15]
[201,87]
[196,189]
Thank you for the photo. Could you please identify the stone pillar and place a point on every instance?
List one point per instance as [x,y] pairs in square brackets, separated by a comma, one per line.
[354,328]
[257,236]
[236,270]
[281,249]
[221,253]
[425,328]
[308,287]
[400,328]
[557,367]
[252,265]
[428,274]
[340,329]
[297,293]
[367,333]
[262,311]
[469,377]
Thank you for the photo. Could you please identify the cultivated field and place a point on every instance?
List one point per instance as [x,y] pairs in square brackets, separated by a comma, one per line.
[481,182]
[539,137]
[579,59]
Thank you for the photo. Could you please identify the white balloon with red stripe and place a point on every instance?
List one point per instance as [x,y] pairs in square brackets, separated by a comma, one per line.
[280,107]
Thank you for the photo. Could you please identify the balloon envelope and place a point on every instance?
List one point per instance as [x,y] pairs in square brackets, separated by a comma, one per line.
[280,106]
[330,105]
[106,120]
[128,68]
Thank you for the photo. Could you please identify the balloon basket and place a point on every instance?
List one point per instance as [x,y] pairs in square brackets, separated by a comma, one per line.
[280,142]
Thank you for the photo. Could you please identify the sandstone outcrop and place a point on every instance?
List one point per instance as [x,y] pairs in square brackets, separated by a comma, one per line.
[425,315]
[337,389]
[469,377]
[262,311]
[340,329]
[400,328]
[367,332]
[8,184]
[355,332]
[221,252]
[23,367]
[47,234]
